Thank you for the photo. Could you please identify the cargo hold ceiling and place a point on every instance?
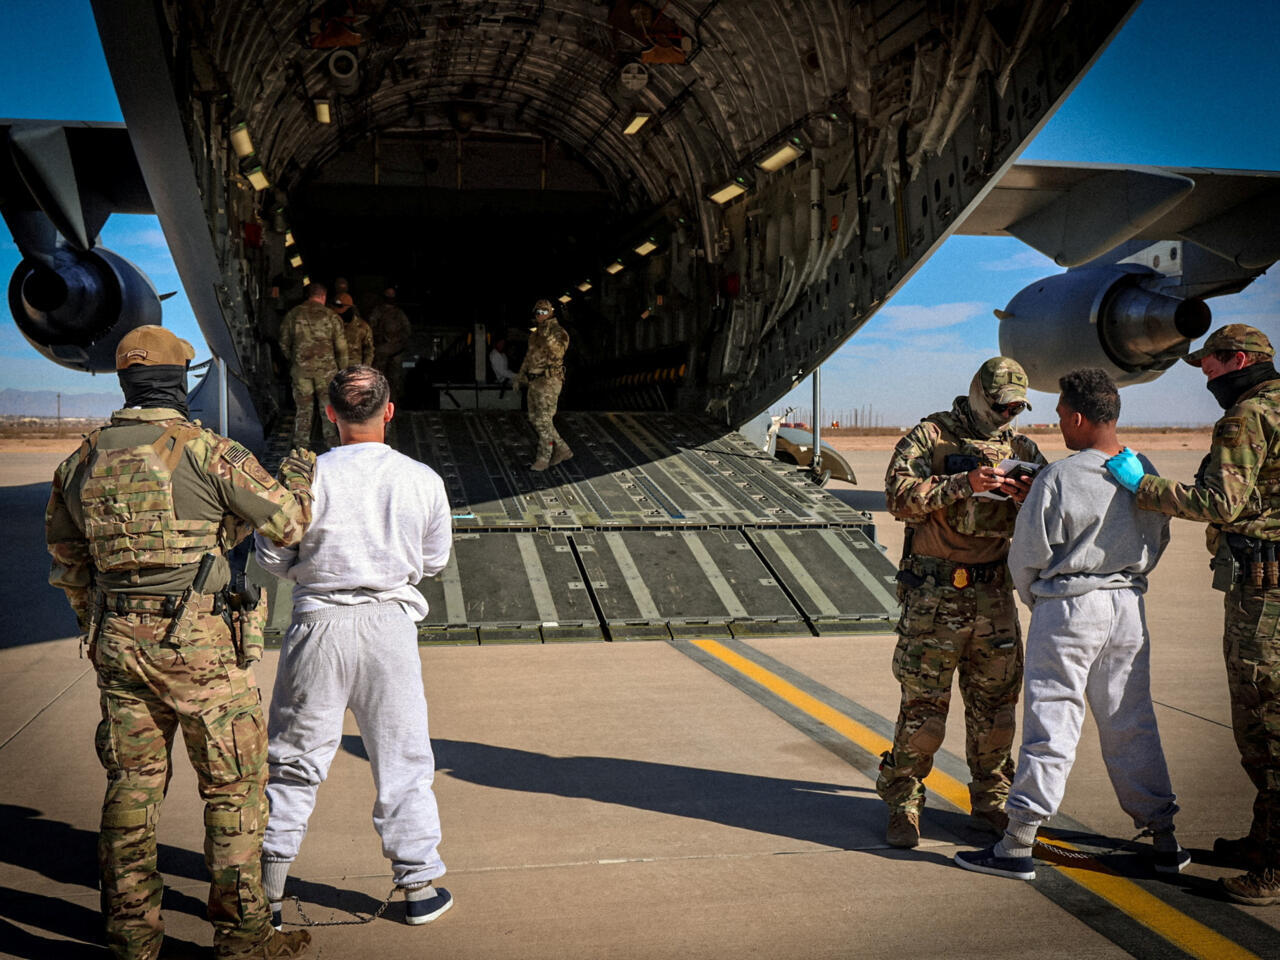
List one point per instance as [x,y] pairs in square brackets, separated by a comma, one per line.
[716,86]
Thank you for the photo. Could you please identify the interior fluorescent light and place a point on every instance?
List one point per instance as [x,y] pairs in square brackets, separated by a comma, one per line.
[241,142]
[288,238]
[781,157]
[647,247]
[638,120]
[615,267]
[728,192]
[258,178]
[295,260]
[322,111]
[584,286]
[306,281]
[564,298]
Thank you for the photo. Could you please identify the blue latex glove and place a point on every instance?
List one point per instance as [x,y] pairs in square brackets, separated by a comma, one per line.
[1127,469]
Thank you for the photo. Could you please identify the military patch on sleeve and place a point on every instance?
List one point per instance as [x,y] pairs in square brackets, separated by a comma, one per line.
[235,454]
[1229,432]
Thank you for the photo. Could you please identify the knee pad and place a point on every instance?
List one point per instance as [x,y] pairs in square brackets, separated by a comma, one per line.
[928,738]
[1003,725]
[118,816]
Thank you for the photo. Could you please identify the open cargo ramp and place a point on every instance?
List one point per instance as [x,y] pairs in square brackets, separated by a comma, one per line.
[662,525]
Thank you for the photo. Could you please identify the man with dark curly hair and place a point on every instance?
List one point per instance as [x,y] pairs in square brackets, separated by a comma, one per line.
[1081,554]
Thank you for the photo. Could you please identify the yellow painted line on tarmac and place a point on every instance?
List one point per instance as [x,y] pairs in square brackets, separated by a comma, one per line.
[1182,931]
[940,783]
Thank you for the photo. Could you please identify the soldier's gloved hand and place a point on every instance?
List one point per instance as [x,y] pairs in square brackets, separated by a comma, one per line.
[522,381]
[297,471]
[1127,469]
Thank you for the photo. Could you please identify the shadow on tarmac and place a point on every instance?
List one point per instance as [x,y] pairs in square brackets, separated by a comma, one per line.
[31,611]
[831,814]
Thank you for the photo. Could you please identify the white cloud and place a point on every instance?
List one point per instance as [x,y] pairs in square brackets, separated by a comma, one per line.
[904,318]
[1023,260]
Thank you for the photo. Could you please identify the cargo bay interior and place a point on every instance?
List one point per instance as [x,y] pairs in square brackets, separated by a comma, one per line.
[715,194]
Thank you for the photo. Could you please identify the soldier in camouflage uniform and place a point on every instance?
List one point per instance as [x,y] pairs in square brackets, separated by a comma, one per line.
[542,372]
[1237,492]
[312,337]
[391,332]
[359,335]
[958,609]
[131,516]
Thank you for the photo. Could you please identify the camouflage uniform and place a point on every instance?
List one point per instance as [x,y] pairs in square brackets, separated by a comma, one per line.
[543,371]
[312,337]
[1237,491]
[962,613]
[130,515]
[391,331]
[359,340]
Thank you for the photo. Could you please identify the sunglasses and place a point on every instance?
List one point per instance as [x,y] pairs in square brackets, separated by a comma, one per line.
[1009,409]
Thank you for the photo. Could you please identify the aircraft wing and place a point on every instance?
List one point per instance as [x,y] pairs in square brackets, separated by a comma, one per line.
[1076,212]
[77,173]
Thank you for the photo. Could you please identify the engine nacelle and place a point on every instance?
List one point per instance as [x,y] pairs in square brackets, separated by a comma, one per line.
[76,313]
[1099,317]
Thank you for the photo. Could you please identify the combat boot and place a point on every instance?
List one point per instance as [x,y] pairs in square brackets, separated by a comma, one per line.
[540,464]
[278,946]
[1258,888]
[1242,852]
[561,453]
[904,828]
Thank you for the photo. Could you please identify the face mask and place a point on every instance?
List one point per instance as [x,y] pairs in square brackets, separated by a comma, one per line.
[1229,387]
[161,385]
[986,421]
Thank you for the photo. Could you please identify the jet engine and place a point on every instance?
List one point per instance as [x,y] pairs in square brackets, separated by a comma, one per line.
[76,312]
[1106,317]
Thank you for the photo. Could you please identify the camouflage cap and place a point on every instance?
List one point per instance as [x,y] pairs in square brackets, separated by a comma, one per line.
[151,345]
[1236,337]
[1003,381]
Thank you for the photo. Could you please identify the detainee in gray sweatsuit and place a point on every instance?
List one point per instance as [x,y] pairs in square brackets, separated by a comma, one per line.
[1080,558]
[380,523]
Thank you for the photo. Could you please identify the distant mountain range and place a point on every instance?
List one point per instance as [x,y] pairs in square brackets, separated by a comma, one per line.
[44,403]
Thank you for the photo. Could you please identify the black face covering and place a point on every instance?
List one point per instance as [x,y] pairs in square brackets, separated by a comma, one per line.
[1230,387]
[161,385]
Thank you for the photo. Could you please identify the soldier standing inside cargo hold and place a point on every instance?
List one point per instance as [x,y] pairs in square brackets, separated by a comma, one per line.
[139,522]
[359,336]
[391,331]
[543,373]
[958,611]
[1237,492]
[311,337]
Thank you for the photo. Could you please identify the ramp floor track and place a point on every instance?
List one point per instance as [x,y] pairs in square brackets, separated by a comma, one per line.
[661,525]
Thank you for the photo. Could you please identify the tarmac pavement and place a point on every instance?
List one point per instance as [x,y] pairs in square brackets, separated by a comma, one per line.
[648,800]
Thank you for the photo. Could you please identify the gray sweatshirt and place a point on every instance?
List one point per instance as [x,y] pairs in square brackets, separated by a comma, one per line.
[380,522]
[1079,530]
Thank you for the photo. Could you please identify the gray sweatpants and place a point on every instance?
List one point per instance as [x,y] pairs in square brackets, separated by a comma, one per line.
[364,657]
[1093,647]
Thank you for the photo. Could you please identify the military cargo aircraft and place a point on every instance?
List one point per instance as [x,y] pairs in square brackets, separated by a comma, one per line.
[718,194]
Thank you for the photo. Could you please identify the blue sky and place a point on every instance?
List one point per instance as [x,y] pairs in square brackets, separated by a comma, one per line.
[1186,83]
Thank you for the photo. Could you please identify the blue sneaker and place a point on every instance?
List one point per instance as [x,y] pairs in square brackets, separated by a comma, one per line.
[424,904]
[986,861]
[1171,861]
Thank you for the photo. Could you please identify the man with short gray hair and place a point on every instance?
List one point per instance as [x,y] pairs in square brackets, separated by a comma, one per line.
[381,523]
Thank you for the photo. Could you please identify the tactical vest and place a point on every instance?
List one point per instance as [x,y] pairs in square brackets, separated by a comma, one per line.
[973,516]
[127,499]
